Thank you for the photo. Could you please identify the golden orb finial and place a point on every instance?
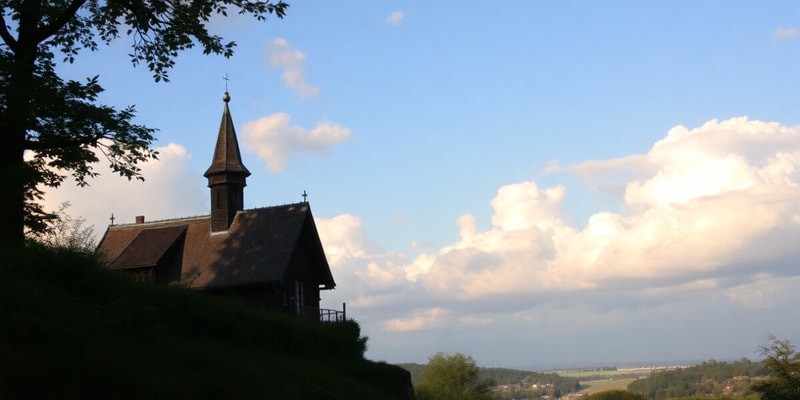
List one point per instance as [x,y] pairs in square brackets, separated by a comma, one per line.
[226,97]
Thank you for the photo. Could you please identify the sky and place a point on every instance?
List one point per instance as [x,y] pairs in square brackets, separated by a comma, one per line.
[532,183]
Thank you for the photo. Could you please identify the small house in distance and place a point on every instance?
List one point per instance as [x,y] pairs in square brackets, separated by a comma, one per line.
[270,257]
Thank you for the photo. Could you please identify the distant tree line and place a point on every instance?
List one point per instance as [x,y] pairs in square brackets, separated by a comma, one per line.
[505,376]
[777,377]
[520,383]
[711,378]
[605,368]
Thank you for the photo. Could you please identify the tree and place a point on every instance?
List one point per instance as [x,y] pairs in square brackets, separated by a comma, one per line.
[451,377]
[50,128]
[67,232]
[616,395]
[783,366]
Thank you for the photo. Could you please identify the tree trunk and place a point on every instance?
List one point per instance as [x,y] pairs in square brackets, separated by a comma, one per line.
[12,199]
[15,121]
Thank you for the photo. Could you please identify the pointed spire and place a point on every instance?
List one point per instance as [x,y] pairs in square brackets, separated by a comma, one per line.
[227,175]
[227,157]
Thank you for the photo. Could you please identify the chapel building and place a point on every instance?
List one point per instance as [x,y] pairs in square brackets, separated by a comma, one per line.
[270,258]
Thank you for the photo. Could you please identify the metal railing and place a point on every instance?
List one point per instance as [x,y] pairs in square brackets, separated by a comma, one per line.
[328,315]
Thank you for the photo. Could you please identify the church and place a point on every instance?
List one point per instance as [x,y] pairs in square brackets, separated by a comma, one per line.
[270,258]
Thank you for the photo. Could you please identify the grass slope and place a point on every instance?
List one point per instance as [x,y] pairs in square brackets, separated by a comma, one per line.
[69,329]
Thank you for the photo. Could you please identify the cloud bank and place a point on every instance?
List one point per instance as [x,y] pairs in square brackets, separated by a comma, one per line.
[709,220]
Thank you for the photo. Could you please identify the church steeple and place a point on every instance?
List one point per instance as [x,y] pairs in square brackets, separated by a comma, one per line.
[226,175]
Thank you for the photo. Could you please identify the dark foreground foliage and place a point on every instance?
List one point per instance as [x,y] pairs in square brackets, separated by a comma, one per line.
[71,329]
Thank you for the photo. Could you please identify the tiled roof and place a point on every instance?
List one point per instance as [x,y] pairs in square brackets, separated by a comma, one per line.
[148,247]
[262,245]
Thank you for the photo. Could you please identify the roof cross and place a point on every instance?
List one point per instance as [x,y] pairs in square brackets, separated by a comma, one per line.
[305,197]
[226,81]
[112,218]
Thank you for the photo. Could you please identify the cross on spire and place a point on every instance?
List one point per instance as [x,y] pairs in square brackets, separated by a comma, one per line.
[226,81]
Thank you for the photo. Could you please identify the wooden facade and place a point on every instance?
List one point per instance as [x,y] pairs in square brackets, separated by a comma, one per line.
[270,257]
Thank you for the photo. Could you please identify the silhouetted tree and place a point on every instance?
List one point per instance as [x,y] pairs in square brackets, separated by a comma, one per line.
[58,123]
[67,232]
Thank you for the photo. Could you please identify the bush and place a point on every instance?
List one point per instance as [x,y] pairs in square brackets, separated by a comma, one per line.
[616,395]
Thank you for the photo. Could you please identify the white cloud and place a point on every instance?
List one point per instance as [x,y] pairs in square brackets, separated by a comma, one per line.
[711,194]
[170,190]
[279,53]
[594,169]
[276,142]
[420,320]
[785,34]
[366,274]
[395,18]
[708,226]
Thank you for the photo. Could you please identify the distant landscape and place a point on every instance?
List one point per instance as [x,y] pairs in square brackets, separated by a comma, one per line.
[69,314]
[708,379]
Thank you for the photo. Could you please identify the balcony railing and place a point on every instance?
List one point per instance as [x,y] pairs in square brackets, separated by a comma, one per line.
[328,315]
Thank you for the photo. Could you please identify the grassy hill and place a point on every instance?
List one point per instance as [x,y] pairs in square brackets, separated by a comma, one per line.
[70,329]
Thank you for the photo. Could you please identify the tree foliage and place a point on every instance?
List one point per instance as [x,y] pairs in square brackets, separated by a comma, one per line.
[51,128]
[67,232]
[707,379]
[452,377]
[616,395]
[519,383]
[782,364]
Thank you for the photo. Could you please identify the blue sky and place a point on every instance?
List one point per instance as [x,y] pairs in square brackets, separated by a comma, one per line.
[531,183]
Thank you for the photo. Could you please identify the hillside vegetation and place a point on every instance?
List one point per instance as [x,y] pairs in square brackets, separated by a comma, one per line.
[709,379]
[71,329]
[513,383]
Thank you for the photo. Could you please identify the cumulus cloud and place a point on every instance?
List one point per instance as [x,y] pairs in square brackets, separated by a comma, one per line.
[280,54]
[709,217]
[367,277]
[170,190]
[395,18]
[785,34]
[711,193]
[276,142]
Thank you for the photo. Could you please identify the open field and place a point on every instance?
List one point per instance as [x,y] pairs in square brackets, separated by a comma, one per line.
[590,387]
[593,381]
[622,372]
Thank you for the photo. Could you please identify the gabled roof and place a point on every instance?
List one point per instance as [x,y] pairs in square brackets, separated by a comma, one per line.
[262,245]
[148,247]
